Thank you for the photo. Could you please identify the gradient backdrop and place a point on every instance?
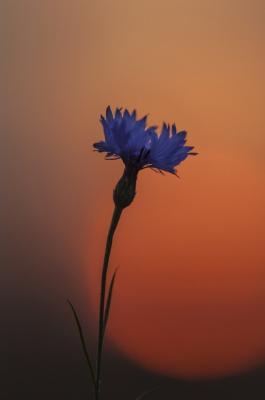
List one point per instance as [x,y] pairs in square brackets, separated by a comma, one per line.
[188,310]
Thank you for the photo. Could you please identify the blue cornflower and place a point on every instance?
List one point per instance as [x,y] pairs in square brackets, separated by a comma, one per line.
[140,147]
[126,137]
[129,139]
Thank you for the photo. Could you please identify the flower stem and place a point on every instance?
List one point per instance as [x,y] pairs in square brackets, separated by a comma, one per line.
[101,328]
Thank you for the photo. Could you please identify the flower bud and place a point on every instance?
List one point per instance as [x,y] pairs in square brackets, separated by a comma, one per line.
[124,191]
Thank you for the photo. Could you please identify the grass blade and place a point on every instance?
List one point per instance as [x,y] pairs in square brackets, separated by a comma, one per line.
[108,303]
[146,393]
[80,330]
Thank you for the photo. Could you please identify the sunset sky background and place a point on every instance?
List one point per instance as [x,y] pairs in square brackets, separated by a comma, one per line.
[191,248]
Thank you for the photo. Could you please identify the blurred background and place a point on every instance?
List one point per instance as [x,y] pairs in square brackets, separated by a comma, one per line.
[188,307]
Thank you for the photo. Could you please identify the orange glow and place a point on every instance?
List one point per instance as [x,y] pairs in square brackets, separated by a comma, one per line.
[190,295]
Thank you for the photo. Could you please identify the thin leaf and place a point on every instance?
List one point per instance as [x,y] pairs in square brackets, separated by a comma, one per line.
[146,393]
[80,330]
[108,303]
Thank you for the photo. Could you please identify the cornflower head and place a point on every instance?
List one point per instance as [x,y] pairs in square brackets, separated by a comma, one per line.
[139,147]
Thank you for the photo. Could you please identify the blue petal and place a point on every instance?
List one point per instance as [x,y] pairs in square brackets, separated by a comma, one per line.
[109,115]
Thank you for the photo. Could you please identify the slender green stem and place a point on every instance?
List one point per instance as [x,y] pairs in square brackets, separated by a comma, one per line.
[108,301]
[101,329]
